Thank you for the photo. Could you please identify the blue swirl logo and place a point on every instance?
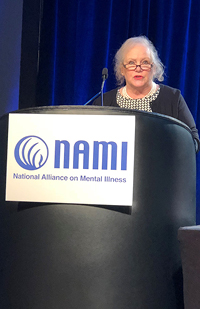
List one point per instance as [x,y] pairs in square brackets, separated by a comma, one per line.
[31,152]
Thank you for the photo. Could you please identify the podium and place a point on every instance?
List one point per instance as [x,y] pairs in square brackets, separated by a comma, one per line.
[103,256]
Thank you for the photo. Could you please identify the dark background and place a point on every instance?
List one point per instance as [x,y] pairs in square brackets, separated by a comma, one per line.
[10,53]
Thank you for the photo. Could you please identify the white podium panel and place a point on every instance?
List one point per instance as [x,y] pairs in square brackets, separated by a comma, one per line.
[77,159]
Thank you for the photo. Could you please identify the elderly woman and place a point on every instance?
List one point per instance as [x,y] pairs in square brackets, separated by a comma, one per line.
[137,66]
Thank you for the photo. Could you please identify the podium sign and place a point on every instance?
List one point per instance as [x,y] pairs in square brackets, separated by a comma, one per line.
[77,159]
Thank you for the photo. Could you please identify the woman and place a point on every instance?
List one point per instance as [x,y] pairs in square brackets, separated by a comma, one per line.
[137,65]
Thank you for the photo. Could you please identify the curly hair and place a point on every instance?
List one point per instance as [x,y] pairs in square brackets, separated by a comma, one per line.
[126,46]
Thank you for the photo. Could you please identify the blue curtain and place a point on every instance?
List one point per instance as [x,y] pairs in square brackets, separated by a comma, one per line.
[80,37]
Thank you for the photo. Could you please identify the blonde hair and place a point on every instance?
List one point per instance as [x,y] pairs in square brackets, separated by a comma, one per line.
[126,46]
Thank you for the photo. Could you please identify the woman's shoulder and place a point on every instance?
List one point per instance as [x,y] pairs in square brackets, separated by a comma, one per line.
[108,97]
[111,93]
[164,89]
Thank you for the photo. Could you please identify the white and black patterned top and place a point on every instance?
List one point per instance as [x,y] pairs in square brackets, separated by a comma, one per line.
[138,104]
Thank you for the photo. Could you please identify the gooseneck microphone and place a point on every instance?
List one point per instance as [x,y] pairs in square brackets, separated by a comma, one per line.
[104,77]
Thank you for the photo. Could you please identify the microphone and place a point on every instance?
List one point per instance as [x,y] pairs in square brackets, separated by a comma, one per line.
[104,77]
[104,74]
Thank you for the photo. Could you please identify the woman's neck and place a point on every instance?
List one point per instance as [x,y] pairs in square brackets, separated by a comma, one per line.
[138,93]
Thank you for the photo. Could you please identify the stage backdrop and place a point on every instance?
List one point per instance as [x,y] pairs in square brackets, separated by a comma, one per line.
[78,38]
[10,53]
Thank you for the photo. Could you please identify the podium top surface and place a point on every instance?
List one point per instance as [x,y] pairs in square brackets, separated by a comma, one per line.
[96,110]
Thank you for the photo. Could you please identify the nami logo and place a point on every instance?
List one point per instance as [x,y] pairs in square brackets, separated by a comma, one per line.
[31,152]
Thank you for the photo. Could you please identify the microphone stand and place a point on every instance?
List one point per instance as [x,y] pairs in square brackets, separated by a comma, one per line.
[102,86]
[104,77]
[94,97]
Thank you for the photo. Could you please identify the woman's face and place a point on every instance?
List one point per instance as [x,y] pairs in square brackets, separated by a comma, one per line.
[138,78]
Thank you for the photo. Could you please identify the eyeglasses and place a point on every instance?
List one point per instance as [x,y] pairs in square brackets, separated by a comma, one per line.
[143,66]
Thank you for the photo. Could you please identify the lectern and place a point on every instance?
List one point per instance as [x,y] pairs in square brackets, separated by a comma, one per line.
[103,256]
